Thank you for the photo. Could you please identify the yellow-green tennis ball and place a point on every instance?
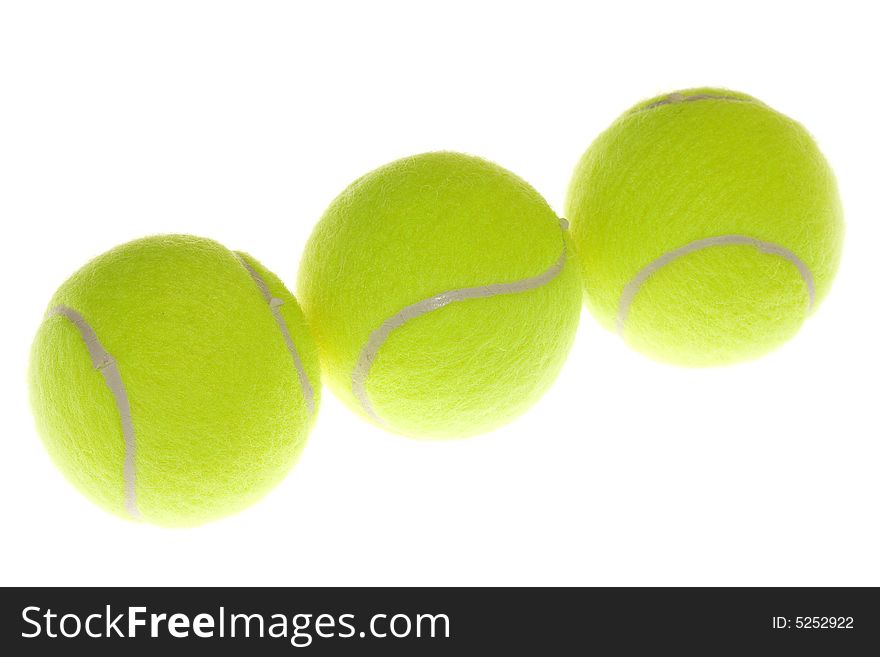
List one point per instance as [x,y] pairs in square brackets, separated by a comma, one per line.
[443,295]
[174,381]
[708,226]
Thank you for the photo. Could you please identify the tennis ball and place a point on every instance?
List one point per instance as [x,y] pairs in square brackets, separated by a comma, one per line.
[708,226]
[443,295]
[174,381]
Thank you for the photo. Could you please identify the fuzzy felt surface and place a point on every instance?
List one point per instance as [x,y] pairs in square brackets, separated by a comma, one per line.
[697,164]
[419,227]
[217,408]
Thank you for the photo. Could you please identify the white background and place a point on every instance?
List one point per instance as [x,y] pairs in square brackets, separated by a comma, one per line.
[241,121]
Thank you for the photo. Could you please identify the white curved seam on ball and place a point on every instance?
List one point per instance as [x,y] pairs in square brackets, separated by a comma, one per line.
[378,336]
[106,365]
[275,307]
[675,98]
[632,288]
